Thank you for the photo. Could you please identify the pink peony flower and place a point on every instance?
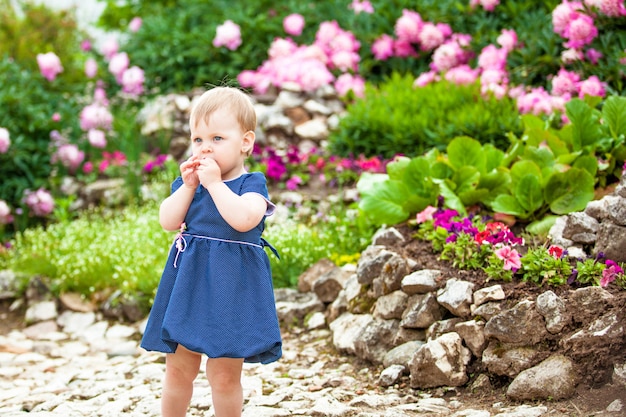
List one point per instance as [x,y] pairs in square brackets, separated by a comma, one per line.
[294,24]
[49,65]
[5,141]
[571,55]
[5,213]
[507,40]
[228,34]
[282,48]
[563,14]
[488,5]
[447,56]
[431,36]
[132,81]
[361,6]
[135,24]
[345,61]
[611,8]
[95,116]
[348,82]
[91,68]
[85,45]
[565,83]
[592,86]
[403,48]
[461,75]
[593,55]
[580,31]
[425,78]
[408,26]
[109,48]
[492,57]
[382,48]
[97,138]
[39,202]
[69,156]
[118,64]
[511,258]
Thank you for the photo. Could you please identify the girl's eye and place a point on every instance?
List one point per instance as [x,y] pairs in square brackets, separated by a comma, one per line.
[197,140]
[217,138]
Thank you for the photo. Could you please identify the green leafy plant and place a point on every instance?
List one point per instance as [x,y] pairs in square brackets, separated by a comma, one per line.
[396,118]
[540,267]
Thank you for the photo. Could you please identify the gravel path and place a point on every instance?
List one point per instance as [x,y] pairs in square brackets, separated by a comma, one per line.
[77,366]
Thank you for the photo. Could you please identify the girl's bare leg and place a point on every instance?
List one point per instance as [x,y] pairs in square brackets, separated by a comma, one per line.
[224,375]
[181,369]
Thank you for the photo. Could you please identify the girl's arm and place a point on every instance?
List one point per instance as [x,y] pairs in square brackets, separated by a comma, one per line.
[241,212]
[174,208]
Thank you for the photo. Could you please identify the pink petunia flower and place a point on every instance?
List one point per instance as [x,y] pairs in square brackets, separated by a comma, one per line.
[511,258]
[425,215]
[610,273]
[49,65]
[293,24]
[228,34]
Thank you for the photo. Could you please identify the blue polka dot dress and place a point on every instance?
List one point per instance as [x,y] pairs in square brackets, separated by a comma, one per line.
[216,295]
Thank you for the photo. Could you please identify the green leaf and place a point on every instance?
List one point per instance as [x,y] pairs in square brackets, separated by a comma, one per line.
[466,178]
[521,168]
[493,157]
[528,193]
[569,191]
[450,199]
[507,204]
[384,204]
[614,115]
[588,163]
[585,122]
[542,226]
[465,151]
[397,167]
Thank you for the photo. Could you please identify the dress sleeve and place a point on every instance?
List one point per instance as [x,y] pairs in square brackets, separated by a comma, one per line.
[176,184]
[255,182]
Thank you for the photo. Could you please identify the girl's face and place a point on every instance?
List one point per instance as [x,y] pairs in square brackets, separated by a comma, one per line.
[222,140]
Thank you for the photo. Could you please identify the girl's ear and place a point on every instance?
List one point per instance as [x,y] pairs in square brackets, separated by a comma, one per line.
[248,142]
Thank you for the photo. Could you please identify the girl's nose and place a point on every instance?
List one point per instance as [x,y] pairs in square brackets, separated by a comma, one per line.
[207,149]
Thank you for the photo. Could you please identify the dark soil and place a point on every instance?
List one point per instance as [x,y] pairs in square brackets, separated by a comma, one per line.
[595,364]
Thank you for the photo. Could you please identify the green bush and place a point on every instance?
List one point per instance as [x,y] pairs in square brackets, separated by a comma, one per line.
[399,119]
[38,31]
[103,251]
[28,103]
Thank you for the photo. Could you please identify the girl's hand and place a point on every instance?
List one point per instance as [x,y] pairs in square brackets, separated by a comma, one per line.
[208,172]
[189,174]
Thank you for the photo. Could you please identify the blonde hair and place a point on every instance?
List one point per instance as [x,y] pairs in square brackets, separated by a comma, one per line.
[232,99]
